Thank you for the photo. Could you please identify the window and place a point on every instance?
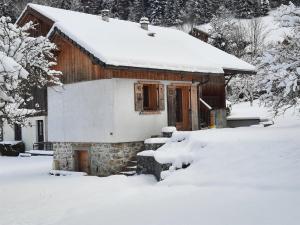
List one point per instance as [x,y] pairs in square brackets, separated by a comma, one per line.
[18,132]
[149,97]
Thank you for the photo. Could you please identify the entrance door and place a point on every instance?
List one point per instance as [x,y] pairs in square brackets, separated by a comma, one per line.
[179,106]
[183,108]
[83,161]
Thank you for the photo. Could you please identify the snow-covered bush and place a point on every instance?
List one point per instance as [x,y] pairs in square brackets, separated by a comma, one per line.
[280,64]
[25,62]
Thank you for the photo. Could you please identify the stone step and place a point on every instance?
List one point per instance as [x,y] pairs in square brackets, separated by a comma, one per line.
[128,173]
[129,168]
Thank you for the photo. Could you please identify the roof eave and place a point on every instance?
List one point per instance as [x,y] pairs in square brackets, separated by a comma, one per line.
[229,72]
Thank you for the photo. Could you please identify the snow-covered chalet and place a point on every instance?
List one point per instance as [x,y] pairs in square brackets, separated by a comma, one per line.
[123,82]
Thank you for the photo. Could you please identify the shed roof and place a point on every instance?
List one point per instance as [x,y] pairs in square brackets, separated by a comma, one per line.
[124,43]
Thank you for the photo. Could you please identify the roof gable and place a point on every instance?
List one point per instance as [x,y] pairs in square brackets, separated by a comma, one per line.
[124,43]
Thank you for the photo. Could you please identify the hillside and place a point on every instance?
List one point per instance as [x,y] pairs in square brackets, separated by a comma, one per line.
[273,31]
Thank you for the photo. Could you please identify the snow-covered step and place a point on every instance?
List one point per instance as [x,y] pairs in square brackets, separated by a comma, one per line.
[155,143]
[131,167]
[168,131]
[24,155]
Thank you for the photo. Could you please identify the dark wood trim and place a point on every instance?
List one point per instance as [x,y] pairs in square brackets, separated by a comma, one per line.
[229,72]
[31,11]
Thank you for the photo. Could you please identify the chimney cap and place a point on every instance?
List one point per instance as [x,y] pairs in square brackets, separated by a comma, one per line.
[144,21]
[105,15]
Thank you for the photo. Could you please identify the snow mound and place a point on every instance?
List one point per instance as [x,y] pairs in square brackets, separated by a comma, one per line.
[168,129]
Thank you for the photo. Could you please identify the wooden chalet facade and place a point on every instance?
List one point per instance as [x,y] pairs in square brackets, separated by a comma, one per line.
[154,98]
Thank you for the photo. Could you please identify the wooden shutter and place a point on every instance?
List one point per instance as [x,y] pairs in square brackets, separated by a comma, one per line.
[194,107]
[138,97]
[161,97]
[171,98]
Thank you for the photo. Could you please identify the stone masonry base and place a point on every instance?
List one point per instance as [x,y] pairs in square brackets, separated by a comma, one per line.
[104,158]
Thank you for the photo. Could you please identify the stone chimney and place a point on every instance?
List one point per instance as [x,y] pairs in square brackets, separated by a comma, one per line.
[105,15]
[144,21]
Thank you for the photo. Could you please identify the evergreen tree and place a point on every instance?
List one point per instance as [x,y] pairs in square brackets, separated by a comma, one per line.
[122,9]
[137,10]
[195,12]
[155,11]
[172,13]
[264,7]
[226,34]
[244,9]
[7,9]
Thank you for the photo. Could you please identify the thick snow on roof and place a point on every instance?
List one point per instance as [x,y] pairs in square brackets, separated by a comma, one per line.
[124,43]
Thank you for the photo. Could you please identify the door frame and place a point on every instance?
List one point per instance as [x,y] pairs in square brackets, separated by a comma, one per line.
[192,111]
[77,162]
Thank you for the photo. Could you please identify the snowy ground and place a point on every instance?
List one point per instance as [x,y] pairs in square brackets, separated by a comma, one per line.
[243,176]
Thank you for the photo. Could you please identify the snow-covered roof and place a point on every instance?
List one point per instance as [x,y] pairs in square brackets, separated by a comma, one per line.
[124,43]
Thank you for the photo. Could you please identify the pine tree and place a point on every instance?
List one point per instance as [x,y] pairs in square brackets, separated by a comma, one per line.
[7,9]
[137,10]
[226,34]
[244,9]
[264,8]
[122,9]
[172,13]
[155,11]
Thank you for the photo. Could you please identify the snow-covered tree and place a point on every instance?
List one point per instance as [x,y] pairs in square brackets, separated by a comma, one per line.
[25,62]
[226,34]
[137,10]
[264,7]
[246,87]
[195,12]
[156,10]
[172,13]
[280,64]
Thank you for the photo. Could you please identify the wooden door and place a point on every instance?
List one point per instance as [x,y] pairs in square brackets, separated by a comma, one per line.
[182,107]
[83,161]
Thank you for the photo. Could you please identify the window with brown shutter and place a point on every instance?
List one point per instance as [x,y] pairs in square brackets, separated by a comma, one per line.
[149,97]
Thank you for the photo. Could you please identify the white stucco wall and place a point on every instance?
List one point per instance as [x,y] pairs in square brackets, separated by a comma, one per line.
[29,133]
[81,112]
[131,125]
[100,111]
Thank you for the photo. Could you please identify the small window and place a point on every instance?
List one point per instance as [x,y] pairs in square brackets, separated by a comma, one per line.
[149,97]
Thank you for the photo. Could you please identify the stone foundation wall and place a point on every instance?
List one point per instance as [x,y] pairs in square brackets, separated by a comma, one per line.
[63,156]
[104,158]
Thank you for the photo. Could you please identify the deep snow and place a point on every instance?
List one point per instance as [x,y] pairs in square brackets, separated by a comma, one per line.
[240,176]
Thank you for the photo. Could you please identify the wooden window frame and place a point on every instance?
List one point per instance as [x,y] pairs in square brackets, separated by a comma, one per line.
[155,97]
